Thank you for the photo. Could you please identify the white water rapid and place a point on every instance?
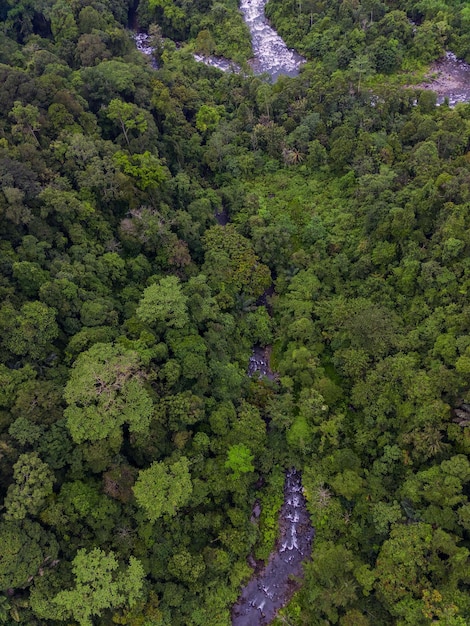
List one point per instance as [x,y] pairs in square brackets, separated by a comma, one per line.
[270,53]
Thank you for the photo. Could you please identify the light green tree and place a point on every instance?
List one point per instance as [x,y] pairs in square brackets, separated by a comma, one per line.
[128,116]
[100,583]
[207,118]
[239,460]
[146,169]
[163,489]
[164,303]
[105,390]
[26,119]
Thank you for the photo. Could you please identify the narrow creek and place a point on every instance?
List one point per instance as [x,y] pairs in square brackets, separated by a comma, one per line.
[273,587]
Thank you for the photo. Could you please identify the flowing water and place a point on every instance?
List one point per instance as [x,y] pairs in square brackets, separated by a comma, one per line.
[226,65]
[270,53]
[259,363]
[142,44]
[271,589]
[274,586]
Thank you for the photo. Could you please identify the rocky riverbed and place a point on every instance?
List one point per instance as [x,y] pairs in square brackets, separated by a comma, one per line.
[271,588]
[274,586]
[270,54]
[259,363]
[449,77]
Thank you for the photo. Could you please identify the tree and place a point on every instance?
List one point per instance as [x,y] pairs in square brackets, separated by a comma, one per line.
[204,43]
[33,482]
[361,67]
[128,116]
[30,331]
[164,303]
[172,12]
[330,581]
[105,390]
[162,489]
[25,547]
[232,266]
[146,169]
[63,23]
[207,118]
[26,119]
[412,563]
[239,460]
[100,583]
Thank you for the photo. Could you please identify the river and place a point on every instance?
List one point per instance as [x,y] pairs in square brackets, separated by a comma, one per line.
[270,54]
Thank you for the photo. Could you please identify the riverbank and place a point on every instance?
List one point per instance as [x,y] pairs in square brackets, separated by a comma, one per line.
[449,78]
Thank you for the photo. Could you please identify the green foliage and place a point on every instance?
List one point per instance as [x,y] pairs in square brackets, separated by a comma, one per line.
[106,390]
[30,331]
[99,585]
[130,432]
[163,489]
[146,169]
[128,117]
[26,546]
[207,118]
[33,482]
[239,460]
[232,266]
[164,303]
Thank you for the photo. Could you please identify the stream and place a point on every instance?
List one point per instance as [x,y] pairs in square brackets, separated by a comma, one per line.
[274,586]
[271,588]
[270,54]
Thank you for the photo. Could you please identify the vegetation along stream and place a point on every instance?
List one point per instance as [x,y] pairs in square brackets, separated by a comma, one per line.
[272,586]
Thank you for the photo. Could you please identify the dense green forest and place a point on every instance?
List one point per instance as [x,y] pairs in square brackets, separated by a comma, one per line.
[132,442]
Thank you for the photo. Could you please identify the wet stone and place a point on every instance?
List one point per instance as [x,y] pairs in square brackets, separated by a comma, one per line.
[270,590]
[222,217]
[142,44]
[256,512]
[270,53]
[452,82]
[259,363]
[226,65]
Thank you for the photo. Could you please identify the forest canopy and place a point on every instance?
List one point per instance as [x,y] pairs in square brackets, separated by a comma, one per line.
[133,443]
